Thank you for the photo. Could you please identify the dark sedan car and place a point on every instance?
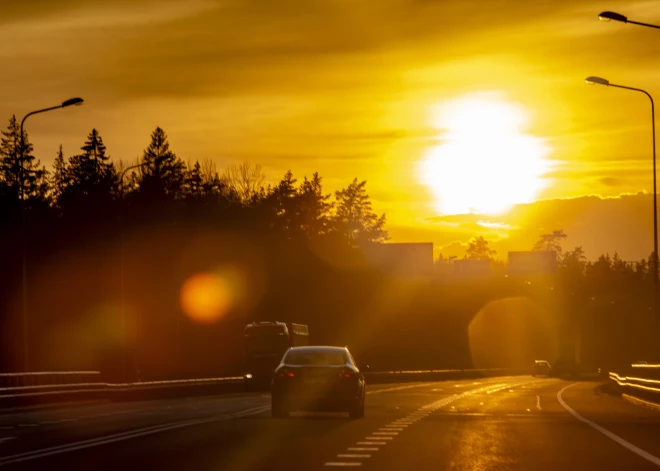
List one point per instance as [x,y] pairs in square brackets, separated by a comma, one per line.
[541,368]
[318,379]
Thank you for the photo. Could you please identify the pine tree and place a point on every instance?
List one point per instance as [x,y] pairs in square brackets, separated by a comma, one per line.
[284,205]
[18,166]
[195,182]
[478,249]
[94,148]
[91,179]
[355,219]
[551,242]
[314,207]
[163,173]
[60,176]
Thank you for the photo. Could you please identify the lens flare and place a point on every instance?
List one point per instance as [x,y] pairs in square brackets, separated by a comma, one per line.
[512,333]
[206,297]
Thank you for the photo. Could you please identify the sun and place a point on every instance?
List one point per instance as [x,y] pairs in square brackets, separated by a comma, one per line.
[485,162]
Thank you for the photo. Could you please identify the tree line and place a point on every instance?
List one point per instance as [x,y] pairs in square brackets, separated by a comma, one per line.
[606,271]
[89,186]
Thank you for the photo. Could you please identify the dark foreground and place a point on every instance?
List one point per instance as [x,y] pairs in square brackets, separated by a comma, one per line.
[496,423]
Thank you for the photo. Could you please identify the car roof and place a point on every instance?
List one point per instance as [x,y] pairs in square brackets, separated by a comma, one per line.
[318,349]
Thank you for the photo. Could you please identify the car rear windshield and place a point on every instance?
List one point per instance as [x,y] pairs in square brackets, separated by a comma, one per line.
[318,358]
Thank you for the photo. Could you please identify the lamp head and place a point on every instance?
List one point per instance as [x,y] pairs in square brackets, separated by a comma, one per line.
[612,16]
[73,102]
[596,81]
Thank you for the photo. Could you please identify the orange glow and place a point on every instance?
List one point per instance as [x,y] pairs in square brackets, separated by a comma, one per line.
[206,297]
[512,333]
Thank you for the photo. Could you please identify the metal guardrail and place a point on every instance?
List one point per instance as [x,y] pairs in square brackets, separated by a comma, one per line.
[45,393]
[42,378]
[643,381]
[113,387]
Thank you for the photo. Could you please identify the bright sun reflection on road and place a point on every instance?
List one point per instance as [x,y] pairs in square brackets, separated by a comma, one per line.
[485,162]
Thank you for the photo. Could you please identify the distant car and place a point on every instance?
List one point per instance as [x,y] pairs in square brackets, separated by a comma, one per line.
[541,367]
[318,379]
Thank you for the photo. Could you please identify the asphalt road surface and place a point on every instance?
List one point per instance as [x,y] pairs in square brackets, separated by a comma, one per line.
[496,423]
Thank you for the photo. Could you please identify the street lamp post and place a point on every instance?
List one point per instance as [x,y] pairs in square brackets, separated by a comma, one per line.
[613,16]
[602,81]
[24,283]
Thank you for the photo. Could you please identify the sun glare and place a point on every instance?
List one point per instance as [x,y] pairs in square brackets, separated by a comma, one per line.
[485,162]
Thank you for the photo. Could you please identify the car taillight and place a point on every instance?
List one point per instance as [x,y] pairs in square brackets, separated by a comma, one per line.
[345,374]
[286,374]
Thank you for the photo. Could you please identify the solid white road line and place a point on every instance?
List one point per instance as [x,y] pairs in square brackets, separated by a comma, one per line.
[344,463]
[358,448]
[353,455]
[371,443]
[638,451]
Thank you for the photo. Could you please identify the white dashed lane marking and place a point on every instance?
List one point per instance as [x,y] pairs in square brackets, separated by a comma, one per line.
[6,439]
[389,432]
[538,402]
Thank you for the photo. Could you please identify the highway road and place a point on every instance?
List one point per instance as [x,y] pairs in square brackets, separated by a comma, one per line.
[496,423]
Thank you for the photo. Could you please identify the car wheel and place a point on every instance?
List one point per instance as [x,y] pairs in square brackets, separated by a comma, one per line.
[357,410]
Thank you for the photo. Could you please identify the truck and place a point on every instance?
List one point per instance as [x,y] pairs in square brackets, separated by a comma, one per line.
[265,344]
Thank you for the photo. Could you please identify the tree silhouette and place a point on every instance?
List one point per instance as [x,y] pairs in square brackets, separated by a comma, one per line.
[17,167]
[572,266]
[162,173]
[354,218]
[245,180]
[283,204]
[195,181]
[91,180]
[478,249]
[314,207]
[59,180]
[551,242]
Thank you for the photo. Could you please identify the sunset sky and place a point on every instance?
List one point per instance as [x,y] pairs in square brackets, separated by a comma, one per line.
[444,107]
